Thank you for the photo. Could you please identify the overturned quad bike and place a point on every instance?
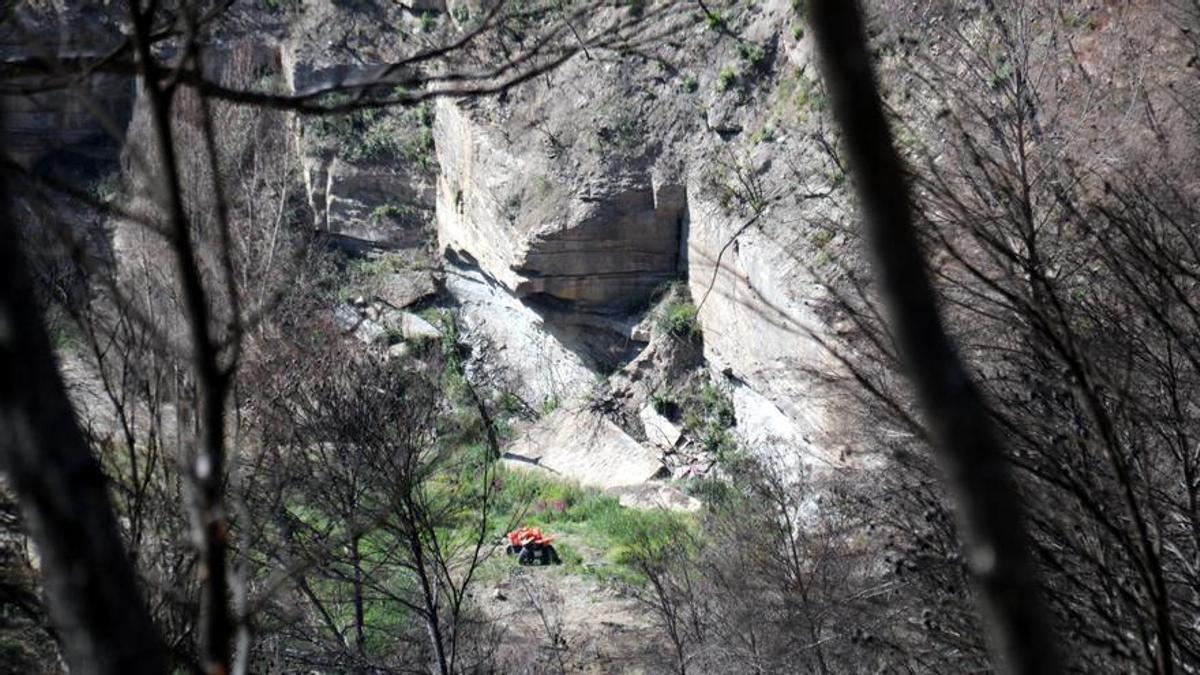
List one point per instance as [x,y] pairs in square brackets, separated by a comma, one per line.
[532,547]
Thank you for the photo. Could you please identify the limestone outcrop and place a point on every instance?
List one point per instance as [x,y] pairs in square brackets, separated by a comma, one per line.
[370,204]
[757,308]
[511,348]
[599,242]
[71,129]
[585,447]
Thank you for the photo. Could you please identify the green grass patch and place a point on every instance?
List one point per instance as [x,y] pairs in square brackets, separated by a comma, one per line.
[589,518]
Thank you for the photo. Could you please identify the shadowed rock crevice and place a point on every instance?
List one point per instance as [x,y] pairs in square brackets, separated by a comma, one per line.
[623,249]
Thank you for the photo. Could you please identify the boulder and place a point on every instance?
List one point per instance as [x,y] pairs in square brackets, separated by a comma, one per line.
[659,430]
[346,317]
[655,495]
[404,288]
[413,327]
[352,321]
[510,344]
[369,332]
[584,446]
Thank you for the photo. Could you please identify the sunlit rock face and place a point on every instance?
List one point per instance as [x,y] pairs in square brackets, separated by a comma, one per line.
[601,241]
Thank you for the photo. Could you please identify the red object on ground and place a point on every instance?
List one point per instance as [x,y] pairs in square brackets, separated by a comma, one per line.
[524,536]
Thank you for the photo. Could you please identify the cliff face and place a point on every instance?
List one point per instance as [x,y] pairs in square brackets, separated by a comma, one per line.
[585,193]
[598,242]
[76,129]
[554,218]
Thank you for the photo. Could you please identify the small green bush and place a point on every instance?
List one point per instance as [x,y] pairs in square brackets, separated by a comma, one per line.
[377,133]
[427,22]
[510,403]
[679,320]
[388,211]
[717,405]
[751,53]
[766,134]
[690,84]
[726,78]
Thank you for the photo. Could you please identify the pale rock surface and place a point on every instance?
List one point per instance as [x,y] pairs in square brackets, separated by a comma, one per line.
[377,204]
[757,308]
[762,426]
[509,341]
[656,495]
[369,332]
[353,321]
[598,240]
[660,431]
[413,327]
[405,288]
[584,446]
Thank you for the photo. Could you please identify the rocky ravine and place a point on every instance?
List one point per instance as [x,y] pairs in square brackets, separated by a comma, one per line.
[551,219]
[564,209]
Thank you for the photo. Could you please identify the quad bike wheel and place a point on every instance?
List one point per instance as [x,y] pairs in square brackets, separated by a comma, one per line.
[538,555]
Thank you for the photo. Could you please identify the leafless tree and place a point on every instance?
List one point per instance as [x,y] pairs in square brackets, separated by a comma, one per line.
[194,195]
[958,420]
[1050,233]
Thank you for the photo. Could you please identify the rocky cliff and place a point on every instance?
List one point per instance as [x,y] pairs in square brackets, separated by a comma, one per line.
[565,220]
[585,193]
[563,212]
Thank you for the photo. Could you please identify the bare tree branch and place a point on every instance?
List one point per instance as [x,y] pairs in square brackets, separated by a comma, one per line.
[959,420]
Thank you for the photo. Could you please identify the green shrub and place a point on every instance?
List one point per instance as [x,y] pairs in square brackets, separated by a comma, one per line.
[751,53]
[679,320]
[427,22]
[690,84]
[726,78]
[625,133]
[717,405]
[716,493]
[820,237]
[766,134]
[387,212]
[510,403]
[377,133]
[713,20]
